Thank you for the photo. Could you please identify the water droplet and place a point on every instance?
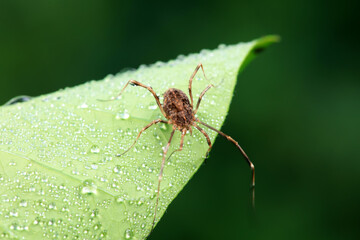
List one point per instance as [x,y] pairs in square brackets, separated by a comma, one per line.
[95,213]
[14,226]
[84,105]
[88,187]
[103,234]
[180,57]
[128,132]
[221,46]
[159,64]
[119,199]
[117,169]
[156,136]
[12,163]
[140,201]
[153,106]
[36,221]
[124,115]
[41,192]
[163,127]
[94,166]
[97,226]
[13,213]
[23,203]
[95,149]
[107,159]
[52,205]
[128,234]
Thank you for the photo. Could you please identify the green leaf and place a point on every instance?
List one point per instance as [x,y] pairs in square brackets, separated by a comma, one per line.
[59,174]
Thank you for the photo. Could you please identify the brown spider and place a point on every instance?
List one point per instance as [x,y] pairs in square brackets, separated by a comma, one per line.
[180,113]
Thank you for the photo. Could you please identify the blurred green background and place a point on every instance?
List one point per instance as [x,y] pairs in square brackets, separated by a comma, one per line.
[296,110]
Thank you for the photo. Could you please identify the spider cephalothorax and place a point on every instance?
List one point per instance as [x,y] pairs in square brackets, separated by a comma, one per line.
[178,109]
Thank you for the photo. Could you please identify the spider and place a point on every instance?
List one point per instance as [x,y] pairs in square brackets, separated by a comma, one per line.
[180,113]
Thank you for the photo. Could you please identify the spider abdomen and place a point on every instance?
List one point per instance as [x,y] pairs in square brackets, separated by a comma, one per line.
[178,108]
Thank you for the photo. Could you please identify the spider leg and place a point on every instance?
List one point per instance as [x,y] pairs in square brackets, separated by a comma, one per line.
[136,83]
[207,139]
[141,131]
[190,81]
[201,95]
[161,174]
[183,133]
[252,167]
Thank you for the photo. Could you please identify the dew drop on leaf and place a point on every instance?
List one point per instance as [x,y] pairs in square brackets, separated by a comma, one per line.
[88,188]
[117,169]
[95,149]
[124,115]
[119,199]
[128,234]
[152,106]
[23,203]
[83,105]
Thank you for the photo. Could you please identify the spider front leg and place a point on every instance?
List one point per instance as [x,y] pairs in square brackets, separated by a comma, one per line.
[201,96]
[136,83]
[190,81]
[141,131]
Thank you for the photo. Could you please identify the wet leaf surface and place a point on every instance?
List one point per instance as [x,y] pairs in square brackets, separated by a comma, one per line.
[59,174]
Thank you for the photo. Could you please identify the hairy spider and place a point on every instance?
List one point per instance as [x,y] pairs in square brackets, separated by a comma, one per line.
[180,113]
